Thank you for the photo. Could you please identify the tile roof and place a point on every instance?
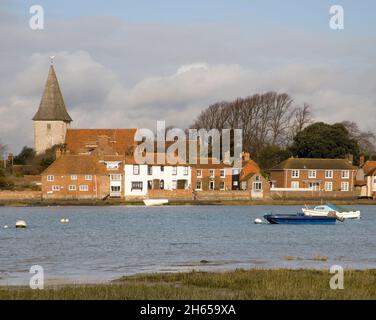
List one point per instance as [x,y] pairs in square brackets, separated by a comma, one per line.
[75,164]
[115,141]
[310,163]
[52,106]
[369,167]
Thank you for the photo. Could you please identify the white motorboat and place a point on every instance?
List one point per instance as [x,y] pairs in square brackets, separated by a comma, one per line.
[155,202]
[328,208]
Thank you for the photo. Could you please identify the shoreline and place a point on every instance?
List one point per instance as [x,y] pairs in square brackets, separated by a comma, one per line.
[69,203]
[238,284]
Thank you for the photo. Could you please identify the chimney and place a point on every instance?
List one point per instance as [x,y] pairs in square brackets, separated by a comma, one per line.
[246,156]
[58,153]
[361,160]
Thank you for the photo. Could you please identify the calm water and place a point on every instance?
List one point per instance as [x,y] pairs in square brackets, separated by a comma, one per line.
[102,243]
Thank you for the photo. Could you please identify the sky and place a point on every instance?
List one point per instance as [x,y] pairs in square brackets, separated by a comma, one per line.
[131,63]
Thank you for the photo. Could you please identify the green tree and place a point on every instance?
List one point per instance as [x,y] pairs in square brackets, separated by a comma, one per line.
[271,155]
[25,156]
[321,140]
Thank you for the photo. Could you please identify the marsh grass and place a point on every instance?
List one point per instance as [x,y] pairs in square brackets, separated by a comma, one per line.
[239,284]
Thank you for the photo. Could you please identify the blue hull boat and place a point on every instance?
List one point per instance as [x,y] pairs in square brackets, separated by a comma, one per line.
[298,219]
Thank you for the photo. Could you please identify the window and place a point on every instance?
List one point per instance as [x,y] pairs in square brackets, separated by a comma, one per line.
[344,186]
[150,184]
[294,184]
[211,185]
[295,174]
[185,171]
[161,184]
[150,170]
[84,187]
[257,186]
[222,185]
[311,174]
[136,169]
[198,185]
[112,165]
[50,178]
[115,188]
[72,187]
[162,168]
[174,184]
[136,185]
[88,177]
[328,174]
[199,173]
[55,188]
[174,170]
[222,172]
[258,178]
[73,177]
[211,173]
[314,186]
[115,177]
[328,186]
[345,174]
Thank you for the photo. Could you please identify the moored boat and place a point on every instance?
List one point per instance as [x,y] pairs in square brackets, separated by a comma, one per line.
[155,202]
[21,224]
[329,208]
[299,219]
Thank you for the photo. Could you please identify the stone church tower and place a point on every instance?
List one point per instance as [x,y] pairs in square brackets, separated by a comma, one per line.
[52,119]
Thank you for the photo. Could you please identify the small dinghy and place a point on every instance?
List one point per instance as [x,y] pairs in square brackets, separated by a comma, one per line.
[299,219]
[155,202]
[21,224]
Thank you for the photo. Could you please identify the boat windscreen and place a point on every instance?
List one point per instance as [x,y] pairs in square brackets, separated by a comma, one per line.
[336,208]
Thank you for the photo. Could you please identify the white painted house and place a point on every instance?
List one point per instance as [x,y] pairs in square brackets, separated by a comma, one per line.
[141,178]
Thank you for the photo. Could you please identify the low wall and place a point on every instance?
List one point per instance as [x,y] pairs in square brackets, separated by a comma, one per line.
[197,195]
[20,195]
[309,194]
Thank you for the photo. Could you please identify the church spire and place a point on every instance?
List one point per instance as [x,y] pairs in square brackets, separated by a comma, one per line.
[52,107]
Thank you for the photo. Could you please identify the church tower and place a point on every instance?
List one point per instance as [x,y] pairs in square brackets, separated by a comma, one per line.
[52,119]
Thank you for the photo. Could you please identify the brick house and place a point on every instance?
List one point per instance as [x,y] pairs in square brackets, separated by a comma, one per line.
[326,175]
[252,180]
[366,178]
[212,176]
[83,177]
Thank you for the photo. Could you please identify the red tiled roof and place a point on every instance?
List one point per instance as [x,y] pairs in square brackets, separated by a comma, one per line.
[369,167]
[120,141]
[75,164]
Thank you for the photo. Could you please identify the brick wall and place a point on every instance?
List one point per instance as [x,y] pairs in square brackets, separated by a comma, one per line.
[20,195]
[296,195]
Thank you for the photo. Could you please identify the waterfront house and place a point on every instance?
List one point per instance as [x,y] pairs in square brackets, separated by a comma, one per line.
[83,177]
[323,177]
[366,179]
[142,179]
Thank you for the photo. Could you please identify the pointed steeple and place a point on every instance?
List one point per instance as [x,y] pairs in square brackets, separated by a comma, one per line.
[52,107]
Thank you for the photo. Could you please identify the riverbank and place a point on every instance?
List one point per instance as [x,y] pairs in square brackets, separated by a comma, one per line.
[119,202]
[240,284]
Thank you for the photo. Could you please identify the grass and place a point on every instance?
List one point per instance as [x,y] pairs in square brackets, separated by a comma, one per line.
[239,284]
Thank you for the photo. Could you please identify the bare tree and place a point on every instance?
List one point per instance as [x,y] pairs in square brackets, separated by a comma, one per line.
[365,139]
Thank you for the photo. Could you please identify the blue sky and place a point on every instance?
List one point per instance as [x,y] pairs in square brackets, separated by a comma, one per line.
[304,14]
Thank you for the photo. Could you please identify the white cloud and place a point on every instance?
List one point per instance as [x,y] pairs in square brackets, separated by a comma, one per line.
[115,74]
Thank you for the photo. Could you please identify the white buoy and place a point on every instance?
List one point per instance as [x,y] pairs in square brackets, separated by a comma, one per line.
[5,227]
[258,221]
[21,224]
[64,220]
